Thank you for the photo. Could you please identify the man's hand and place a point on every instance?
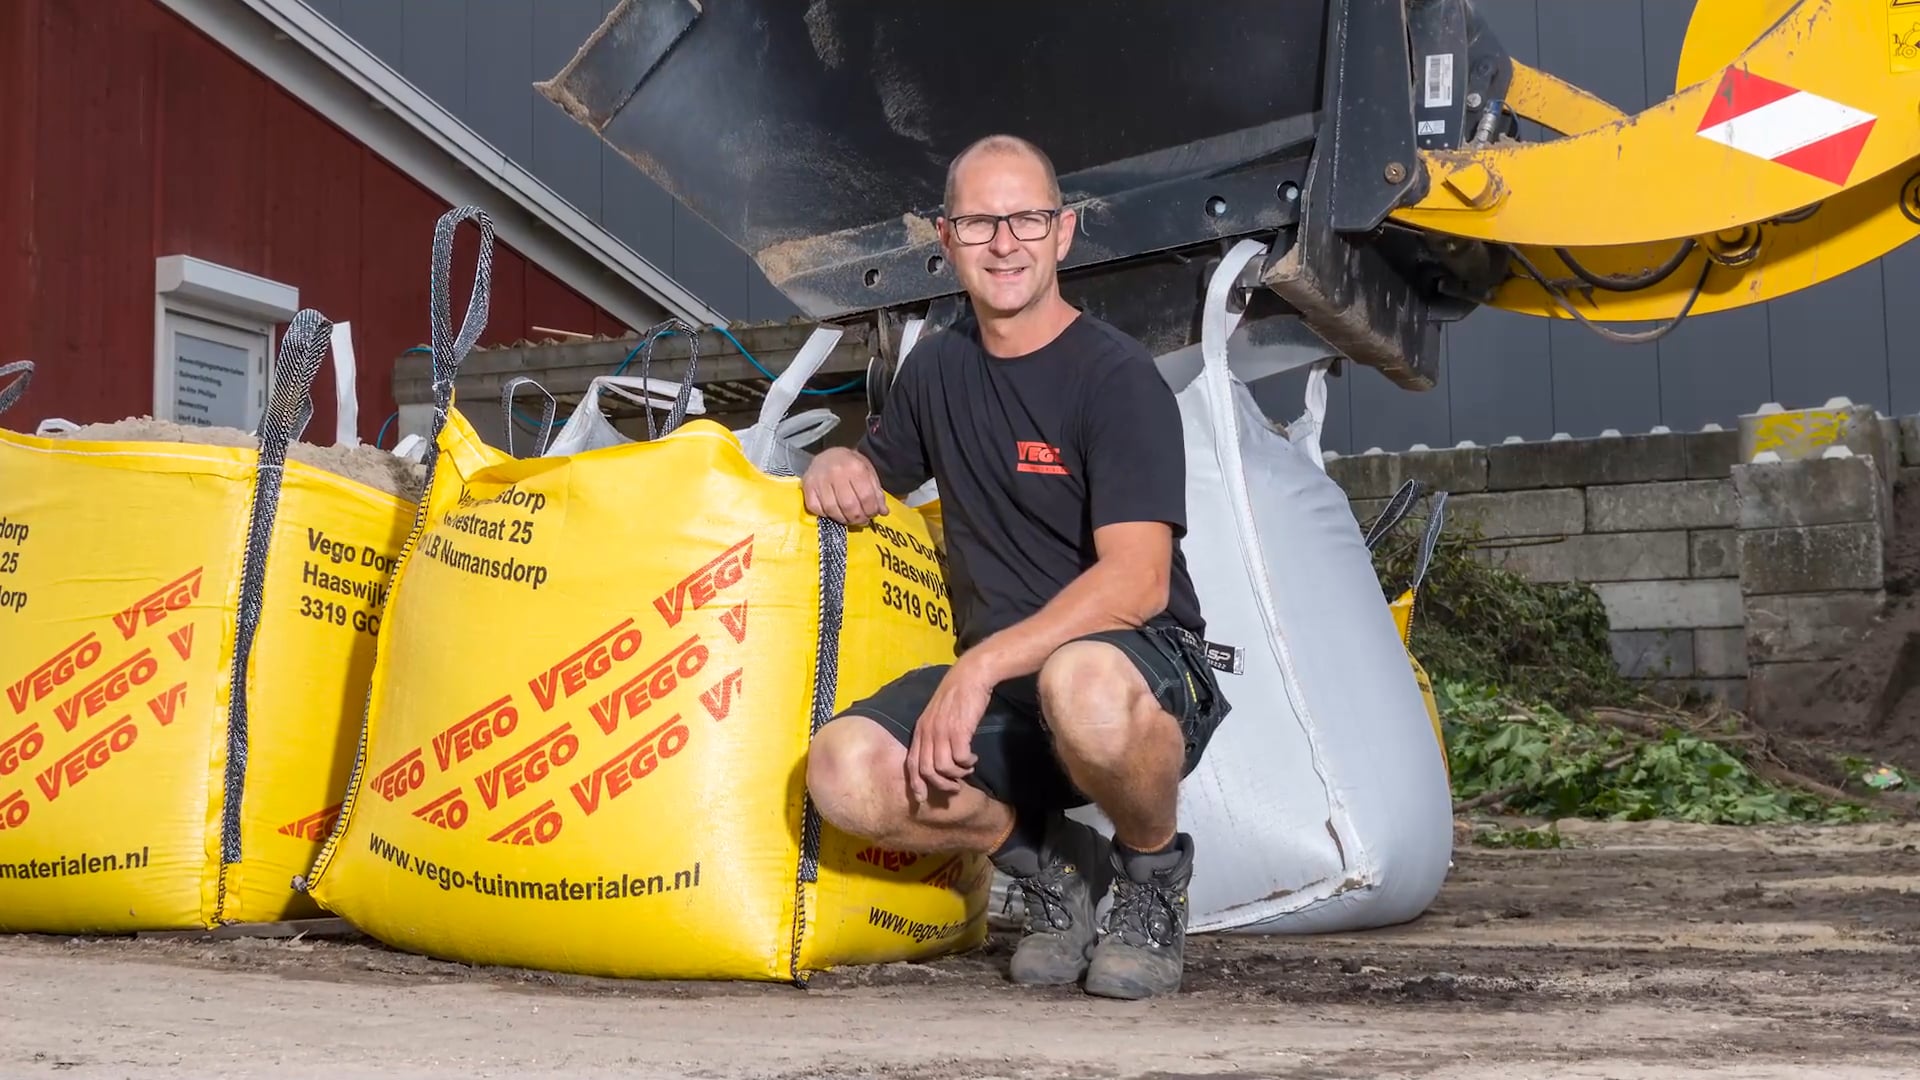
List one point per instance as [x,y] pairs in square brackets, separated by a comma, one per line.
[941,756]
[841,484]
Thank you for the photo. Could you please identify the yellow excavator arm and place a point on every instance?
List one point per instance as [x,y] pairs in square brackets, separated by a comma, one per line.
[1788,154]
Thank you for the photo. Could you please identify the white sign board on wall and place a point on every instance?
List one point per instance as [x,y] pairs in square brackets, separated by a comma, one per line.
[213,341]
[218,373]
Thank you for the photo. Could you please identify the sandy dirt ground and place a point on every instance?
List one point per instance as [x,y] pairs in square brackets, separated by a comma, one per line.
[1650,950]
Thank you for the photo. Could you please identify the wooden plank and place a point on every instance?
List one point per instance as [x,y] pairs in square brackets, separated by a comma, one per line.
[566,369]
[312,928]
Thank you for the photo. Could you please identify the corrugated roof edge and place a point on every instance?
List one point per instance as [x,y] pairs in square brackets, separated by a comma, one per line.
[340,79]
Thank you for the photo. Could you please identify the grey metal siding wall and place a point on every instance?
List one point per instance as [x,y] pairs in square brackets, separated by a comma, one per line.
[1504,374]
[479,60]
[1511,374]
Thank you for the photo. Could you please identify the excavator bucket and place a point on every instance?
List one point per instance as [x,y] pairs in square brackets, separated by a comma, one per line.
[816,137]
[1372,144]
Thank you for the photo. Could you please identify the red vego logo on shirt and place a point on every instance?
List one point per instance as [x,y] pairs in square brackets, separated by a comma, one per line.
[1038,457]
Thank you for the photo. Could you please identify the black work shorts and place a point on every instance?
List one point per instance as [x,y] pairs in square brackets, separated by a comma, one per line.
[1015,762]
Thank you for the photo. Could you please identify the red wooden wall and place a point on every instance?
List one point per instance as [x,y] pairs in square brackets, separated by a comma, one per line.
[126,134]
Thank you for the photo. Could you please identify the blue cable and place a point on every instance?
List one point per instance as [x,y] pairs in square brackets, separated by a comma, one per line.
[635,351]
[724,332]
[841,389]
[395,415]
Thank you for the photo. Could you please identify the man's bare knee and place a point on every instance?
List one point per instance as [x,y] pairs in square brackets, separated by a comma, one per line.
[1097,704]
[853,767]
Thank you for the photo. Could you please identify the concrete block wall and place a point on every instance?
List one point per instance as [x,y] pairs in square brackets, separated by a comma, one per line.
[1816,522]
[1715,568]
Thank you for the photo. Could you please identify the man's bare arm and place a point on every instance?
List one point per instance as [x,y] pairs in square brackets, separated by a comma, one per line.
[1126,586]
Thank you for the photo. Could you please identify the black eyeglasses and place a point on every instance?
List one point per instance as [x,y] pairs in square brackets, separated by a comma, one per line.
[975,229]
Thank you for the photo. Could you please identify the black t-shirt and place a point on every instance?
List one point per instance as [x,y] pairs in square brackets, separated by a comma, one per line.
[1032,454]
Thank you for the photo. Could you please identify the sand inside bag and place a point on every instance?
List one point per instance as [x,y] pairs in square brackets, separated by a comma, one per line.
[376,468]
[148,429]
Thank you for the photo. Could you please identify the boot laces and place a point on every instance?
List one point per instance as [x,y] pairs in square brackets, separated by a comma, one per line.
[1144,914]
[1044,898]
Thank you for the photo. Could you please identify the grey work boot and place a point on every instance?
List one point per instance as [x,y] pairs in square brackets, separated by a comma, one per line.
[1142,948]
[1059,886]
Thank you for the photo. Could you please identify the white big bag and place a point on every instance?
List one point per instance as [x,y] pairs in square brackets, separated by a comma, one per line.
[1322,803]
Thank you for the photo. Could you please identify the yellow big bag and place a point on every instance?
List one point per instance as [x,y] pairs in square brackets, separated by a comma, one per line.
[598,677]
[186,637]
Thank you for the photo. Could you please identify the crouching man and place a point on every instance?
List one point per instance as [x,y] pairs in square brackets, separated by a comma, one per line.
[1081,675]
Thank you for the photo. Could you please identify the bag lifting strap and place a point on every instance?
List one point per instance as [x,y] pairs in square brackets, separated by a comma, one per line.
[11,390]
[1430,542]
[1397,509]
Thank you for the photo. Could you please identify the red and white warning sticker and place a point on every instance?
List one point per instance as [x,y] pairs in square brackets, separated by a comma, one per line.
[1804,131]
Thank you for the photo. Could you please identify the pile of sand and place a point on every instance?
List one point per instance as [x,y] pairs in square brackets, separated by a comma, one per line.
[364,464]
[147,429]
[1869,704]
[376,468]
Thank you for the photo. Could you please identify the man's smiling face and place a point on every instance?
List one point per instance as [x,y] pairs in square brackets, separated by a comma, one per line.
[1008,273]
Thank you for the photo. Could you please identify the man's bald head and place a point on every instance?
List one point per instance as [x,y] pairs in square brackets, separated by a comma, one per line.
[1008,268]
[1012,145]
